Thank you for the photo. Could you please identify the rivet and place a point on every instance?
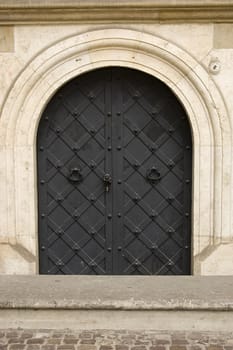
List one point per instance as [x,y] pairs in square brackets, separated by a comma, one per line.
[93,232]
[42,247]
[92,131]
[92,198]
[186,247]
[109,249]
[119,248]
[187,147]
[46,118]
[92,164]
[109,216]
[186,214]
[170,130]
[43,215]
[153,214]
[118,148]
[75,114]
[119,181]
[109,148]
[76,248]
[60,232]
[187,181]
[42,182]
[109,114]
[118,113]
[119,215]
[58,131]
[41,148]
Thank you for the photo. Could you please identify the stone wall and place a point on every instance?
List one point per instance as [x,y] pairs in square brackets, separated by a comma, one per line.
[193,55]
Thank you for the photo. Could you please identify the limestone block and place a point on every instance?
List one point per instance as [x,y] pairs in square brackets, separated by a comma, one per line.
[223,36]
[6,38]
[14,259]
[219,262]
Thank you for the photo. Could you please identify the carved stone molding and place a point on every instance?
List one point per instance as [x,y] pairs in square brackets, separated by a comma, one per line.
[57,11]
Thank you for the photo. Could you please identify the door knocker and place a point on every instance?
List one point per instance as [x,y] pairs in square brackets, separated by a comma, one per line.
[75,175]
[153,175]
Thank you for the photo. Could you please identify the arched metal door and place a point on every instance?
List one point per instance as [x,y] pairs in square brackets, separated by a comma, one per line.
[114,177]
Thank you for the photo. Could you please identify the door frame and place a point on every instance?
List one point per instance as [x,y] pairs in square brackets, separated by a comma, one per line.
[189,80]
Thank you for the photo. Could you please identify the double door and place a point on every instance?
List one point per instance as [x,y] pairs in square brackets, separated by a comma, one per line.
[114,177]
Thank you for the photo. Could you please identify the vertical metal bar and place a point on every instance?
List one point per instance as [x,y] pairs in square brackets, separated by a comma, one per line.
[42,196]
[187,188]
[117,108]
[108,170]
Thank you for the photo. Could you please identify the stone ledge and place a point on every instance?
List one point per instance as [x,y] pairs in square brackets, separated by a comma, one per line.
[59,11]
[116,293]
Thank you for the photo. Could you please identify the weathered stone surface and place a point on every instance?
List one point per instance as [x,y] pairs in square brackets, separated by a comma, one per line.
[6,38]
[176,340]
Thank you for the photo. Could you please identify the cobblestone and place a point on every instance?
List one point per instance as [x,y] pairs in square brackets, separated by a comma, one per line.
[44,339]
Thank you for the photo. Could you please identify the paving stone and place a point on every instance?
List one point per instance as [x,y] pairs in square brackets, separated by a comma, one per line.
[113,340]
[35,341]
[33,347]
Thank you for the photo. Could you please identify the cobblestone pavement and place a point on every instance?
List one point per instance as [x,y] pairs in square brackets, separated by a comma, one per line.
[112,340]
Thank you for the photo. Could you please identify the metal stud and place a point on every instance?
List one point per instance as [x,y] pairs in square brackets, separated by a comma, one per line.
[119,182]
[109,216]
[109,114]
[92,231]
[118,113]
[92,164]
[137,230]
[42,182]
[58,131]
[119,215]
[109,249]
[119,248]
[188,147]
[41,148]
[42,248]
[60,232]
[76,248]
[187,181]
[170,230]
[118,148]
[170,199]
[153,214]
[92,198]
[109,148]
[43,215]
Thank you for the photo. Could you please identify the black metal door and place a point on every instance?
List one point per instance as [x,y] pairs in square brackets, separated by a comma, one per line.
[114,177]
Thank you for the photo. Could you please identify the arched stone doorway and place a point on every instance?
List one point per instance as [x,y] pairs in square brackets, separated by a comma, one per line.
[114,186]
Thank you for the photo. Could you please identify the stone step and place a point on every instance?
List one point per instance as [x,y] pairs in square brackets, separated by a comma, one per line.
[177,303]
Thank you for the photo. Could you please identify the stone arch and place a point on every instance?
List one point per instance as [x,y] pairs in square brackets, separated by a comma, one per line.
[70,57]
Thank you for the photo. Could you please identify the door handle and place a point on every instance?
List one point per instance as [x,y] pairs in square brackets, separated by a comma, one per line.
[107,181]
